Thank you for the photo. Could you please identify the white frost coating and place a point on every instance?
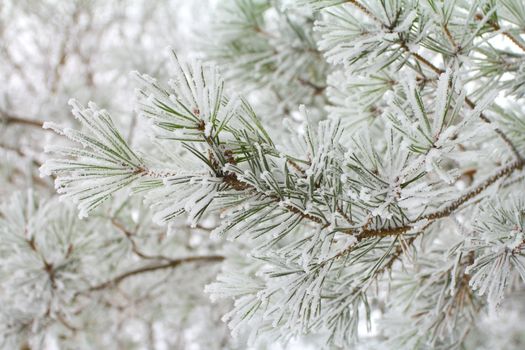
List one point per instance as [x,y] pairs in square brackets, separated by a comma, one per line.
[53,126]
[407,22]
[364,194]
[322,220]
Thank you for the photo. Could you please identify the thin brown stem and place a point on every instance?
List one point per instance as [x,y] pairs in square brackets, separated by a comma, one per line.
[514,40]
[155,267]
[450,208]
[297,167]
[500,133]
[497,27]
[366,11]
[423,60]
[129,235]
[449,36]
[13,119]
[443,212]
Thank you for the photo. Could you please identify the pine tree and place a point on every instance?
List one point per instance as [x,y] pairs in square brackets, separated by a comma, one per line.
[344,173]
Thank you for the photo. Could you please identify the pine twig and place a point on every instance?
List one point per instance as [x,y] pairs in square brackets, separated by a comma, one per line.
[363,232]
[500,133]
[129,235]
[154,267]
[439,71]
[444,212]
[366,11]
[469,103]
[449,209]
[14,119]
[497,27]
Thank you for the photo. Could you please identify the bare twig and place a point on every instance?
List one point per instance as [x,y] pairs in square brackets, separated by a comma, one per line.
[155,267]
[21,153]
[14,119]
[129,235]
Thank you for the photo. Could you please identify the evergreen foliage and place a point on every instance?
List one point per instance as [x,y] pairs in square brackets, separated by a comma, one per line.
[359,167]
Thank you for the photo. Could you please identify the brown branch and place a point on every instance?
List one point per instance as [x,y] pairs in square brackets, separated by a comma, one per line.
[422,59]
[344,215]
[497,27]
[129,235]
[500,133]
[13,119]
[514,40]
[318,90]
[502,172]
[366,11]
[364,232]
[296,167]
[449,36]
[66,323]
[441,213]
[382,232]
[155,267]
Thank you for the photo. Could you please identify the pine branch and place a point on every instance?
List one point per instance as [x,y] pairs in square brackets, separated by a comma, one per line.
[14,119]
[439,71]
[449,209]
[495,25]
[500,133]
[364,233]
[316,218]
[513,39]
[154,267]
[129,235]
[444,212]
[367,12]
[471,104]
[233,182]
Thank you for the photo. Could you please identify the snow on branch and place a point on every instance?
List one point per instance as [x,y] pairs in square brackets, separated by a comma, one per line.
[100,165]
